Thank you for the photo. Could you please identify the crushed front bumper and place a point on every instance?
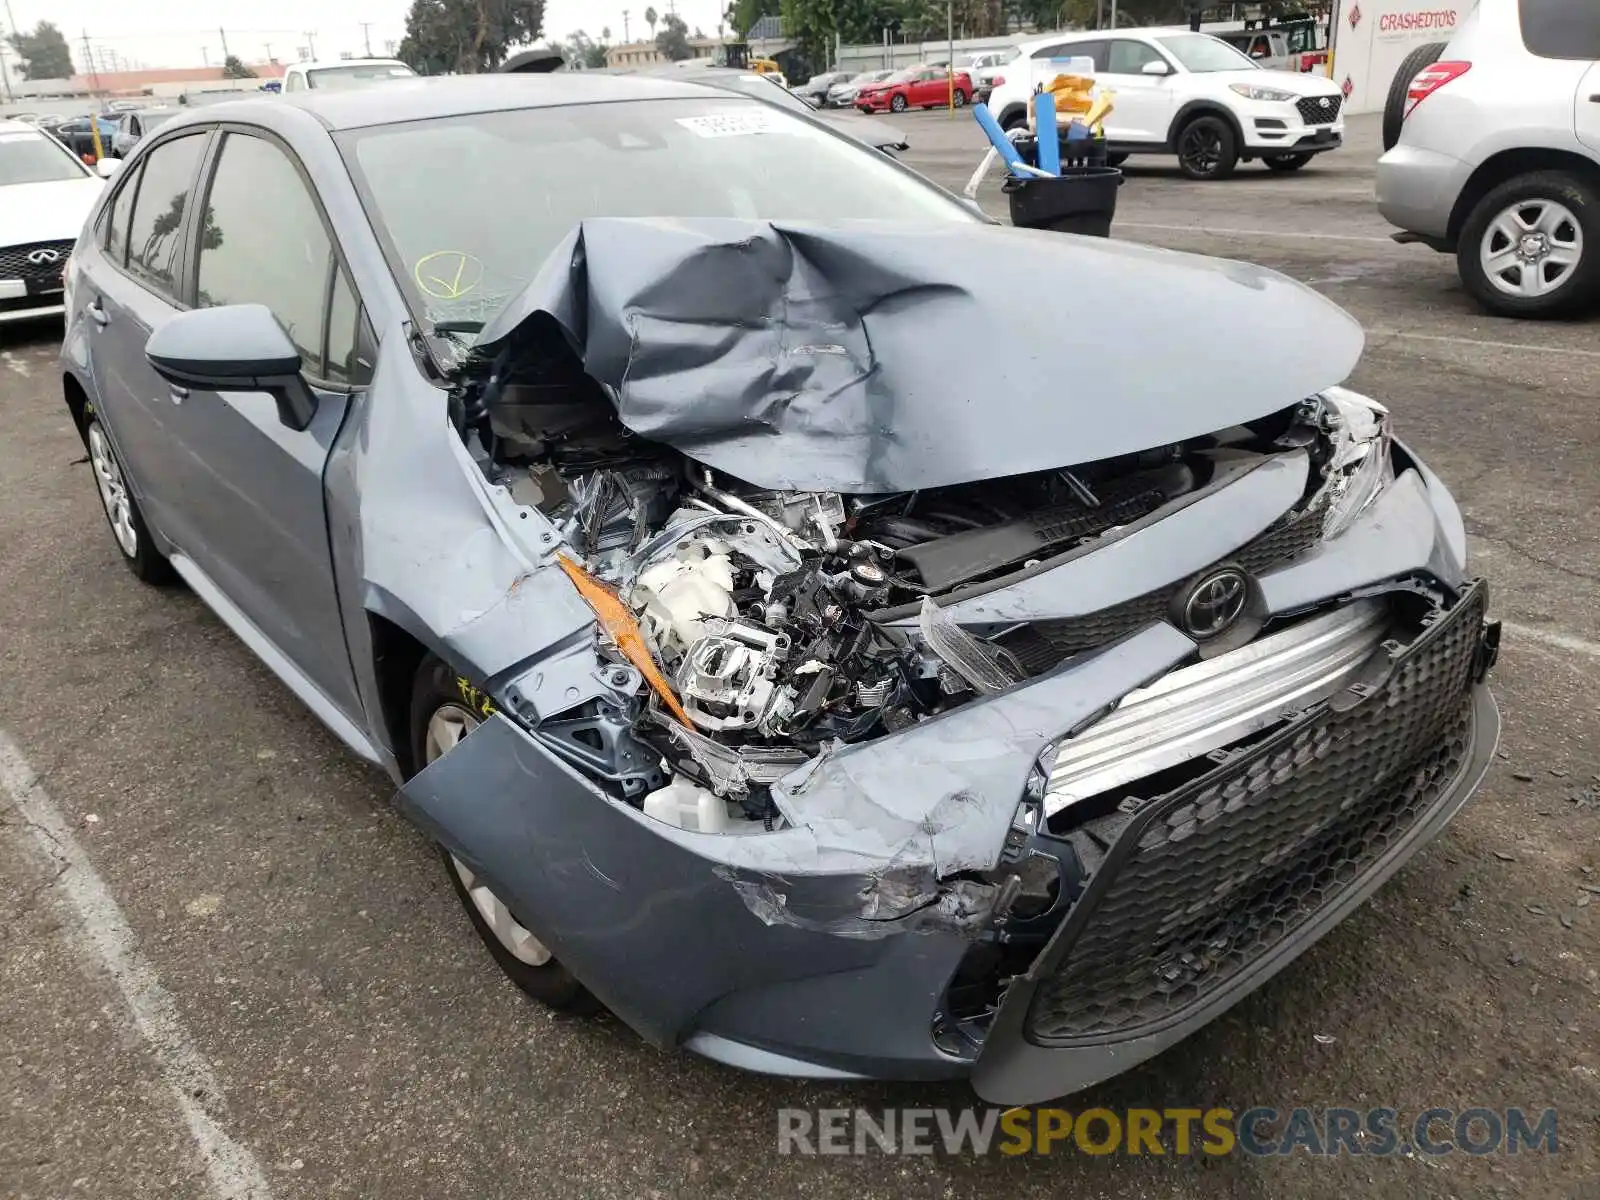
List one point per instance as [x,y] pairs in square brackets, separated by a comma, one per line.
[1195,897]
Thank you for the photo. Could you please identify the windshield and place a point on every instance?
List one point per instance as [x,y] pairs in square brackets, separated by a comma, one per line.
[1200,53]
[153,119]
[356,75]
[35,158]
[901,76]
[762,87]
[469,207]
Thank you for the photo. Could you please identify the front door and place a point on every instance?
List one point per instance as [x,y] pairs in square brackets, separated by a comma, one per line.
[1588,108]
[1144,105]
[256,484]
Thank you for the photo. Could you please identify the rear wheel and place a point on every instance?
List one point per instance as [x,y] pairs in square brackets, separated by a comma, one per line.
[1286,162]
[128,529]
[1531,247]
[1394,109]
[439,722]
[960,98]
[1207,149]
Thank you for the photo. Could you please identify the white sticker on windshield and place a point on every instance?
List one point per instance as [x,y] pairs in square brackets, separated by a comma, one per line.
[733,124]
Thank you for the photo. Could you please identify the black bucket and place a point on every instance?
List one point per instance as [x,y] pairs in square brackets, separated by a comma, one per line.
[1083,200]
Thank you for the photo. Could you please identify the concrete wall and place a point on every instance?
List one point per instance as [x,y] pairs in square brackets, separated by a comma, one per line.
[873,58]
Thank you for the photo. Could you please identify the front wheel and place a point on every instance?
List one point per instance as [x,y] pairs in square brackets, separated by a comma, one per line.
[897,103]
[1286,162]
[1207,149]
[1531,247]
[440,719]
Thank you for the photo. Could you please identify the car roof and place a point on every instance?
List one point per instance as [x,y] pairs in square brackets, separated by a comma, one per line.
[7,126]
[424,98]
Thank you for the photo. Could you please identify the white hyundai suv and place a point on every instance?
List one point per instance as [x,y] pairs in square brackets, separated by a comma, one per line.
[1498,159]
[1188,94]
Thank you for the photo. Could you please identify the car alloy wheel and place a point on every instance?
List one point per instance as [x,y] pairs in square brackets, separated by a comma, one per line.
[113,490]
[1532,248]
[449,724]
[961,98]
[897,102]
[1200,151]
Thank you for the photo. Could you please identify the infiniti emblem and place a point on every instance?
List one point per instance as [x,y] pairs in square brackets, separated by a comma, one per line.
[1215,602]
[40,257]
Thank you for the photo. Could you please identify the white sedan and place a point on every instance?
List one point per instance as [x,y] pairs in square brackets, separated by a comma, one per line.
[45,195]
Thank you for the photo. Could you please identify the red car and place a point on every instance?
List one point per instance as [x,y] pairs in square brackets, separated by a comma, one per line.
[916,87]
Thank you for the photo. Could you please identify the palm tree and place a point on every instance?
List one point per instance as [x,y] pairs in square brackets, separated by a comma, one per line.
[650,19]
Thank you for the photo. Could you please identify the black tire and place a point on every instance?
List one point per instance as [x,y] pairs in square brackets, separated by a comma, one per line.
[1116,160]
[1394,109]
[1286,162]
[897,102]
[145,561]
[1207,149]
[549,983]
[1581,284]
[1016,119]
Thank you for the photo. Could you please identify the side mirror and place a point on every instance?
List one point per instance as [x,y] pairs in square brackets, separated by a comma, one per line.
[107,167]
[1158,67]
[235,348]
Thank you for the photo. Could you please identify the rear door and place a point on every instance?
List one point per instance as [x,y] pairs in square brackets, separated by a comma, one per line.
[132,291]
[255,485]
[1144,104]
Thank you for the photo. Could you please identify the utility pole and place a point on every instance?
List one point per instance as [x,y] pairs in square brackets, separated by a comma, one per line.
[1113,14]
[268,47]
[223,34]
[626,36]
[366,36]
[205,55]
[311,40]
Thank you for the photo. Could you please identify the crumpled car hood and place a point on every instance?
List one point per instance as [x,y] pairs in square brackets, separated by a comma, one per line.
[877,357]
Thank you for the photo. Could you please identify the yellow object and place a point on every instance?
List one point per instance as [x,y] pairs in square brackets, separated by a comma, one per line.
[765,66]
[1098,112]
[618,622]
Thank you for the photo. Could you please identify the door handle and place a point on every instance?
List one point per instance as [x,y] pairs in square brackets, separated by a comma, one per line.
[97,314]
[1595,99]
[179,394]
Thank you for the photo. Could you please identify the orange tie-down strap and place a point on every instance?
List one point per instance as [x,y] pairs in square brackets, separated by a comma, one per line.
[618,622]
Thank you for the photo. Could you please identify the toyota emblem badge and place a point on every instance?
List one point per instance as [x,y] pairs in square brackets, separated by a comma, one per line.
[1215,603]
[44,256]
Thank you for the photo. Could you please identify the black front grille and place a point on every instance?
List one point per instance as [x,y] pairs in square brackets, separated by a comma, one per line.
[15,262]
[1319,110]
[1205,880]
[1043,644]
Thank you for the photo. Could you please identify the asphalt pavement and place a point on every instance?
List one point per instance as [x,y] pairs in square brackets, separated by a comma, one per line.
[227,968]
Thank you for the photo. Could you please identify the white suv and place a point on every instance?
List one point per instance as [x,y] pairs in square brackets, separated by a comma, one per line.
[1498,160]
[1188,94]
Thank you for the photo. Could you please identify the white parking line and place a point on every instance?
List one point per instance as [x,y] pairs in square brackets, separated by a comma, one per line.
[1558,641]
[231,1170]
[1480,344]
[1278,233]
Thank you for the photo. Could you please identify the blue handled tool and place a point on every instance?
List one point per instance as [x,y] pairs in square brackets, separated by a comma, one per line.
[1044,117]
[998,139]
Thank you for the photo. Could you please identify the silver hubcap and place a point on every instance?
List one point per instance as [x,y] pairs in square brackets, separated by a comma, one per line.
[446,728]
[113,491]
[1532,248]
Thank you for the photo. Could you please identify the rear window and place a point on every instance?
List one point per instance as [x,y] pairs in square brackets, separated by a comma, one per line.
[1561,28]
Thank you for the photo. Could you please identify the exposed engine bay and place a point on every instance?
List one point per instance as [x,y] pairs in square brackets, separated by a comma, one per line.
[768,625]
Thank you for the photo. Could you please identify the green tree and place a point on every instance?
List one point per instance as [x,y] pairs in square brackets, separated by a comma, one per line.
[234,68]
[44,52]
[673,40]
[466,36]
[650,19]
[583,51]
[743,14]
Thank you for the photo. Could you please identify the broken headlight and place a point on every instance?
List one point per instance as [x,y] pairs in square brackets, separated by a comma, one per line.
[1360,465]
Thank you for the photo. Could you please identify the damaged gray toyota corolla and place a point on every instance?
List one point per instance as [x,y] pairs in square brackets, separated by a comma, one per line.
[798,636]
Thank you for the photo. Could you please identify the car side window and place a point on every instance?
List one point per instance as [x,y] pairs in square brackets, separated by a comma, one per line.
[1094,50]
[264,242]
[1561,28]
[165,182]
[1127,57]
[116,235]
